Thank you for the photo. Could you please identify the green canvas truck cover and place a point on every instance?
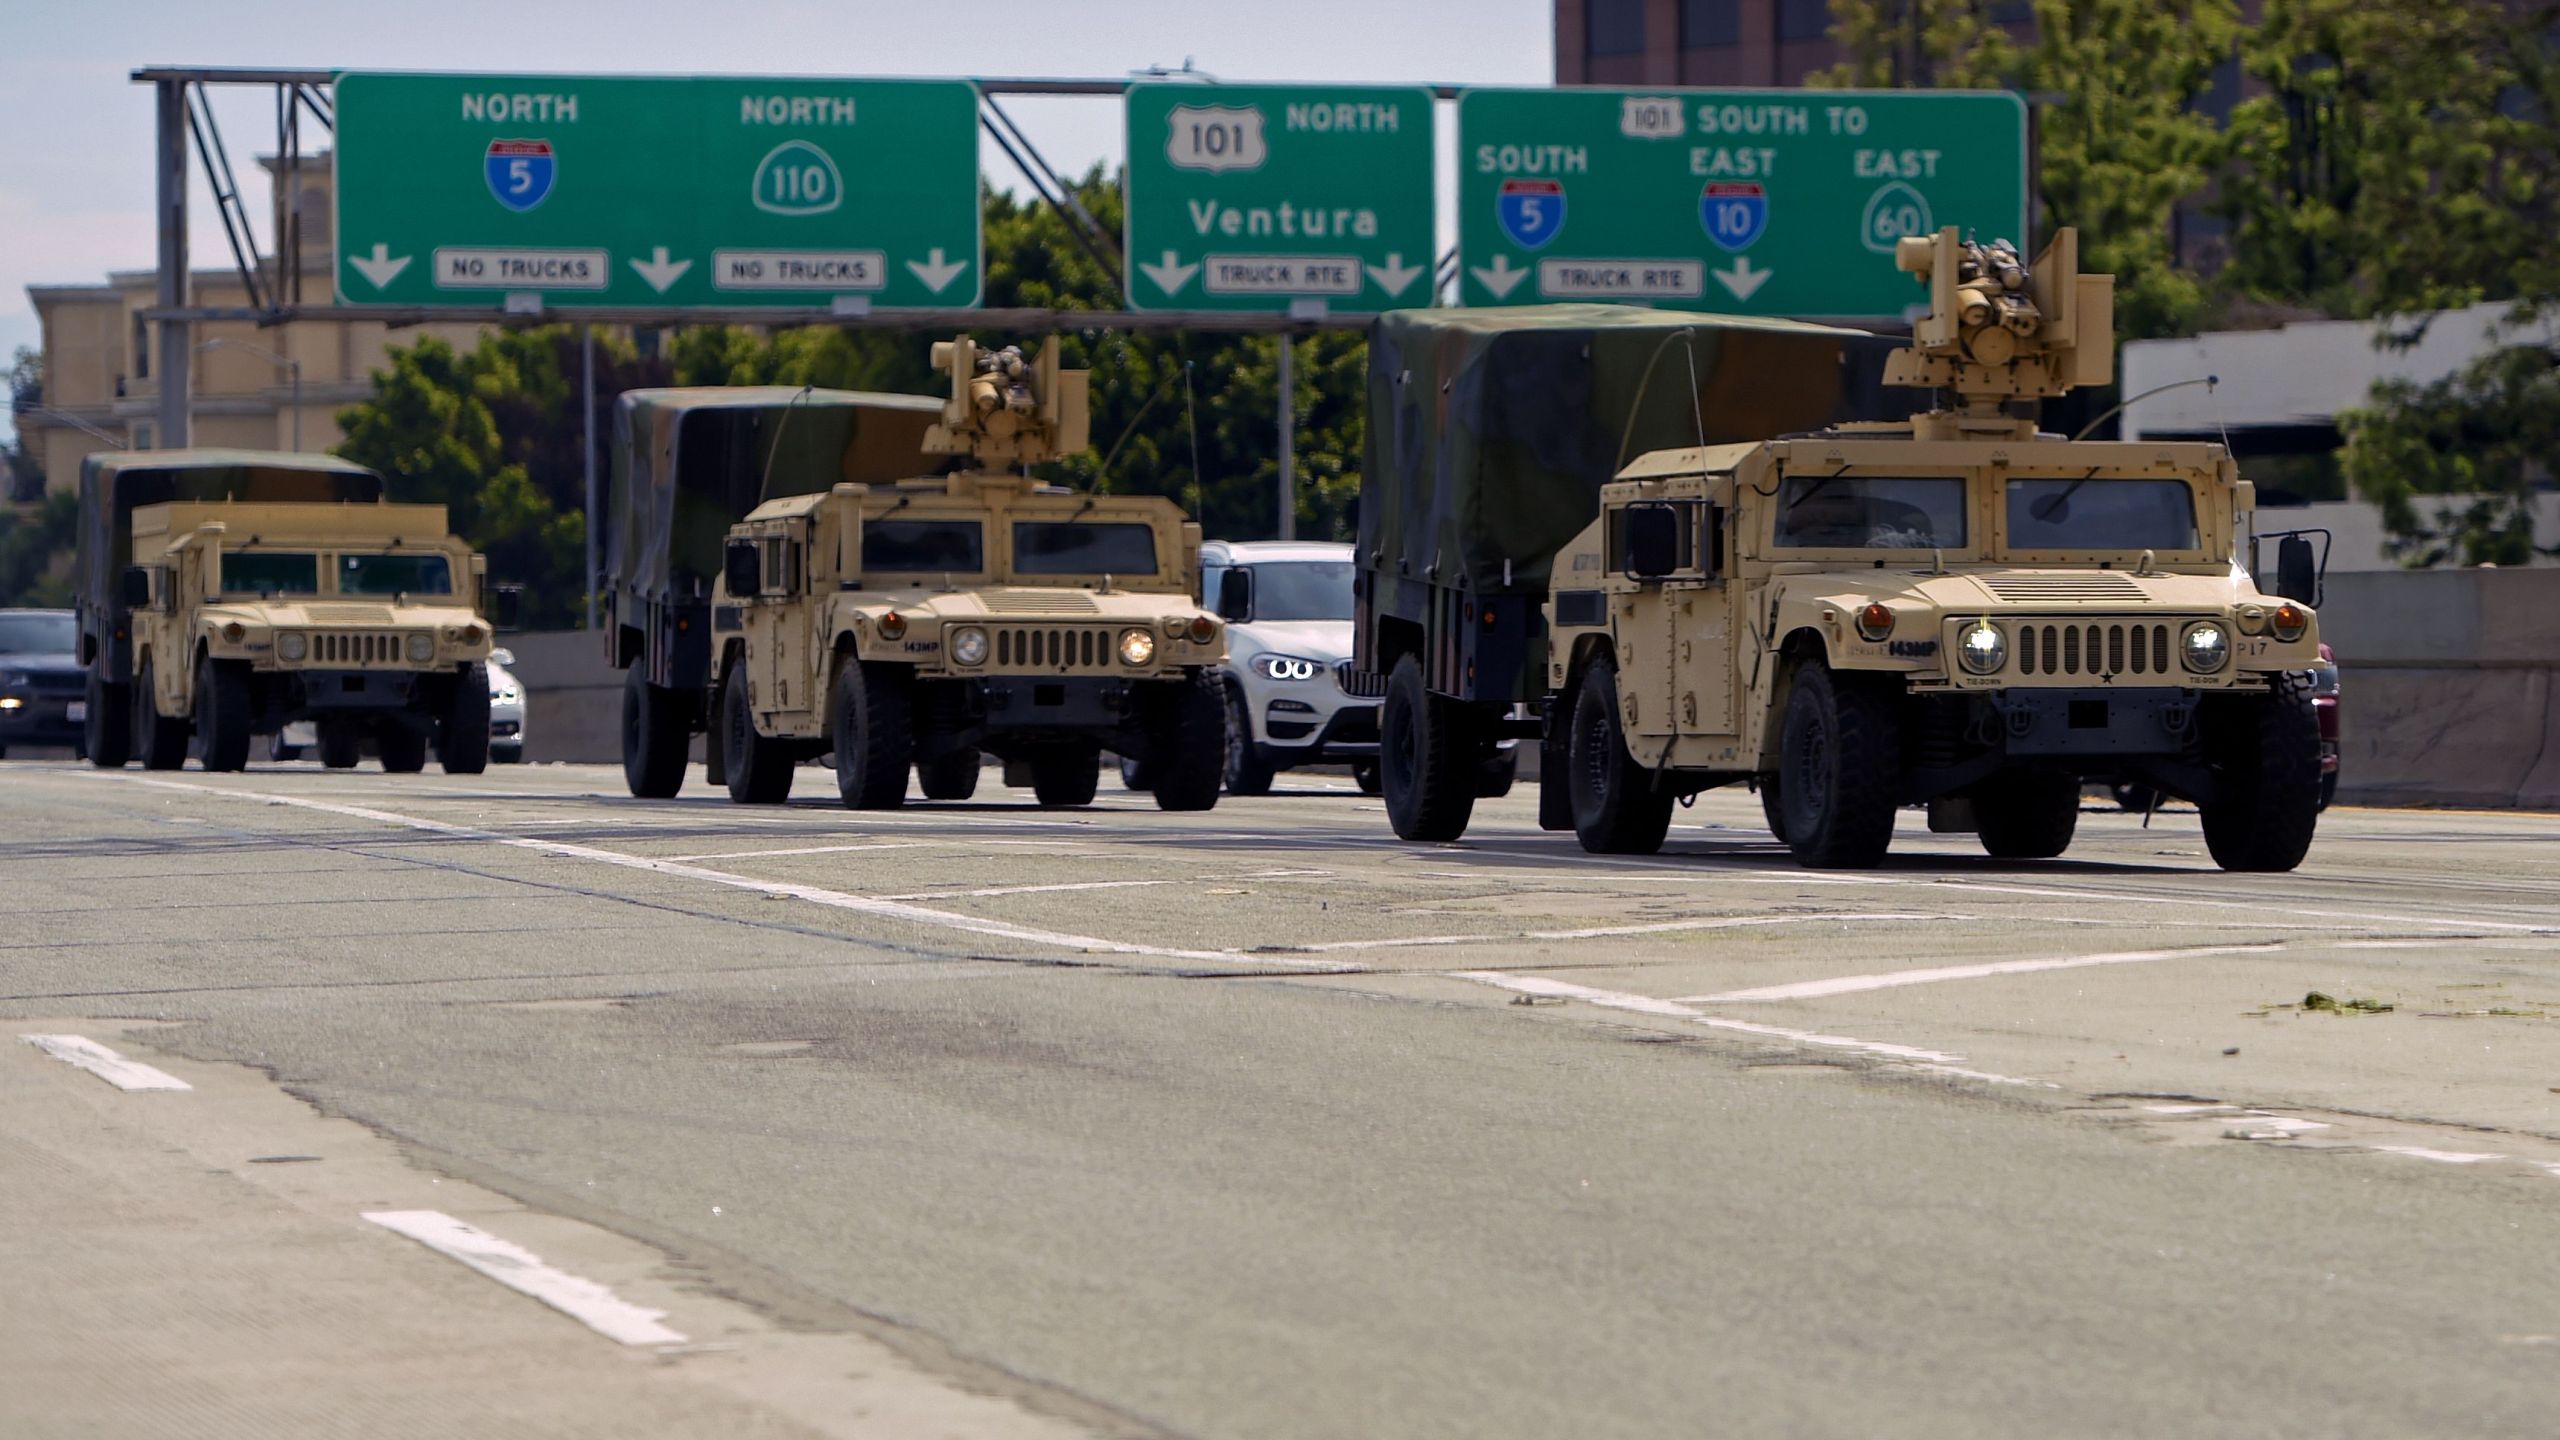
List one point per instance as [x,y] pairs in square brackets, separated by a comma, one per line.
[689,463]
[1491,431]
[114,485]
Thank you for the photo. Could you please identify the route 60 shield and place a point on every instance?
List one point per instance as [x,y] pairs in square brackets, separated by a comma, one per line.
[519,172]
[1531,211]
[1734,212]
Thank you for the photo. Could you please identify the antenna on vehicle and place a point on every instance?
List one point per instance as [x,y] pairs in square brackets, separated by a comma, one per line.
[764,487]
[2207,381]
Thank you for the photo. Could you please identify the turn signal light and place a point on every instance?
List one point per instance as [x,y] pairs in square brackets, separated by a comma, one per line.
[234,632]
[892,625]
[1875,622]
[1203,629]
[2289,621]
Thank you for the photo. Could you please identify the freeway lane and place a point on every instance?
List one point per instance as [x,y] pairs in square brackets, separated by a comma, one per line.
[1238,1124]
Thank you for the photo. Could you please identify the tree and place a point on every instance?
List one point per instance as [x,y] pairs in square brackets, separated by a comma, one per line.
[24,477]
[35,551]
[2488,435]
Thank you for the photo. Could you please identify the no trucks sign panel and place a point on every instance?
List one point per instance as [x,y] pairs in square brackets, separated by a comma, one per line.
[1256,197]
[1749,202]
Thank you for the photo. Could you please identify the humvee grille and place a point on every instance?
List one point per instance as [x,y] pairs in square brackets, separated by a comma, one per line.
[2105,647]
[2084,585]
[1054,647]
[357,647]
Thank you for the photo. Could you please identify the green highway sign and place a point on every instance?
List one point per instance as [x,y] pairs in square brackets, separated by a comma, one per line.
[1255,197]
[585,190]
[1754,202]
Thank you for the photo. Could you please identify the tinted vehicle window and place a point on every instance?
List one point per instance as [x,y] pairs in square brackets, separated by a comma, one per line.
[1091,547]
[394,575]
[2068,514]
[1871,512]
[956,546]
[256,572]
[37,635]
[1302,590]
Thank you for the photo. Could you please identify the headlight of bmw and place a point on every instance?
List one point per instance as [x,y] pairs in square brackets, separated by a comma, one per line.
[969,645]
[1982,649]
[506,695]
[1286,667]
[292,645]
[2205,648]
[1137,649]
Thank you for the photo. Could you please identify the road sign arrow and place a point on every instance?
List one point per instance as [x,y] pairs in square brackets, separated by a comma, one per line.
[1171,275]
[382,268]
[659,271]
[1393,276]
[935,271]
[1498,277]
[1740,278]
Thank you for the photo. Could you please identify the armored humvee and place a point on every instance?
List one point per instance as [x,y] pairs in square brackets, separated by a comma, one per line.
[226,594]
[1954,610]
[920,623]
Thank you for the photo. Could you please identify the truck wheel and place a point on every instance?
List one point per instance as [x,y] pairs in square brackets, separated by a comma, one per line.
[2026,814]
[1425,757]
[403,749]
[1617,807]
[462,742]
[1067,777]
[1135,777]
[341,744]
[1249,771]
[1190,743]
[222,713]
[656,738]
[950,777]
[1499,772]
[1773,807]
[107,733]
[161,742]
[874,734]
[2328,791]
[2265,758]
[1840,760]
[758,769]
[1364,773]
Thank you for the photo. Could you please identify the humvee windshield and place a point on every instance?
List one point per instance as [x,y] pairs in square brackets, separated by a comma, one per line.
[1871,512]
[263,572]
[2073,513]
[954,546]
[1044,547]
[394,575]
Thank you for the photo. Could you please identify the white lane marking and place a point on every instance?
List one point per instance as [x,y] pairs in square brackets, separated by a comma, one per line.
[2186,1109]
[104,1063]
[1937,1062]
[2447,1157]
[814,894]
[802,850]
[1025,889]
[1895,979]
[1602,932]
[519,1269]
[2261,1125]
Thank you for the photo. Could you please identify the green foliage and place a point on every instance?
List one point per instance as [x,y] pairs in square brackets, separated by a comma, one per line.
[2489,433]
[35,551]
[20,475]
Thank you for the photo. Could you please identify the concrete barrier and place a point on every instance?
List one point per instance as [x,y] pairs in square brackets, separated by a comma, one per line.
[573,698]
[2450,686]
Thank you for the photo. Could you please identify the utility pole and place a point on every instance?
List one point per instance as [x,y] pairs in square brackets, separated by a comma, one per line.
[1288,437]
[177,352]
[587,428]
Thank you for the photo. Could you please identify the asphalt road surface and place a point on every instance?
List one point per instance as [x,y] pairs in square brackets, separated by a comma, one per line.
[988,1120]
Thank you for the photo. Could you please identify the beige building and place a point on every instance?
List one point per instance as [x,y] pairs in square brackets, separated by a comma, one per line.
[100,393]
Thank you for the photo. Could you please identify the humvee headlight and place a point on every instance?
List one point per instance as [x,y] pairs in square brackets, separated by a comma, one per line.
[422,646]
[2204,648]
[1982,649]
[1204,628]
[1875,622]
[969,645]
[1137,648]
[892,625]
[292,645]
[2289,621]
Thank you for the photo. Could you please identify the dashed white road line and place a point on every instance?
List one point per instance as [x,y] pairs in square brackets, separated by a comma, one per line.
[1602,932]
[2444,1157]
[803,850]
[519,1269]
[1895,979]
[1026,889]
[104,1063]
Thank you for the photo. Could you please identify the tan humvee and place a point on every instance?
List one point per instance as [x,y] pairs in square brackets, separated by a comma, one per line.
[924,622]
[1958,610]
[362,618]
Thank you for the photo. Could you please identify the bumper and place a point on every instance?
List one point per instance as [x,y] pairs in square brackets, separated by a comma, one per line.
[1029,706]
[2095,722]
[43,718]
[318,692]
[1299,738]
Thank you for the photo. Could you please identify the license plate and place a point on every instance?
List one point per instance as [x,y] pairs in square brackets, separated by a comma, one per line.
[76,711]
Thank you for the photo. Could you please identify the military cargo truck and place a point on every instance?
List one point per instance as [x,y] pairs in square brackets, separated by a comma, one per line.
[1953,610]
[688,463]
[923,623]
[226,594]
[1490,434]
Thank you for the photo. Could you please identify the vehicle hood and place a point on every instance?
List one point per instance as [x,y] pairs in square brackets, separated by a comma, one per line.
[1030,605]
[49,666]
[2035,592]
[1325,640]
[351,614]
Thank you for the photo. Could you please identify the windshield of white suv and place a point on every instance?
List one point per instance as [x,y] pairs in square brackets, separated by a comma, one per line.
[2087,513]
[269,572]
[957,547]
[394,575]
[1871,512]
[37,635]
[1302,590]
[1091,547]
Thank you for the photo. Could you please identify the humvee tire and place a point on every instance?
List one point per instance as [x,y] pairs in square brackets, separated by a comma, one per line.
[1190,743]
[1425,757]
[874,723]
[2026,814]
[1067,776]
[222,714]
[1617,807]
[1773,807]
[160,741]
[655,738]
[1135,776]
[1248,770]
[341,744]
[1497,773]
[1364,774]
[403,749]
[1839,760]
[2265,758]
[107,733]
[756,770]
[953,776]
[462,743]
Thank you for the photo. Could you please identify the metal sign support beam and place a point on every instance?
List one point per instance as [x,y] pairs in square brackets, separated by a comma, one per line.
[177,338]
[1288,389]
[777,317]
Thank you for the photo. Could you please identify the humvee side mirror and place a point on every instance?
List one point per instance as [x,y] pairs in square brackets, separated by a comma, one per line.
[1235,595]
[135,593]
[1648,541]
[2297,571]
[505,607]
[742,569]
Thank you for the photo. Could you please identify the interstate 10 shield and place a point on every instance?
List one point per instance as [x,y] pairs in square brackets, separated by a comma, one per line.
[520,172]
[1531,211]
[1734,212]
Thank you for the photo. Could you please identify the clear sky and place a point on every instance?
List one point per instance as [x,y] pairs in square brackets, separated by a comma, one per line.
[75,175]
